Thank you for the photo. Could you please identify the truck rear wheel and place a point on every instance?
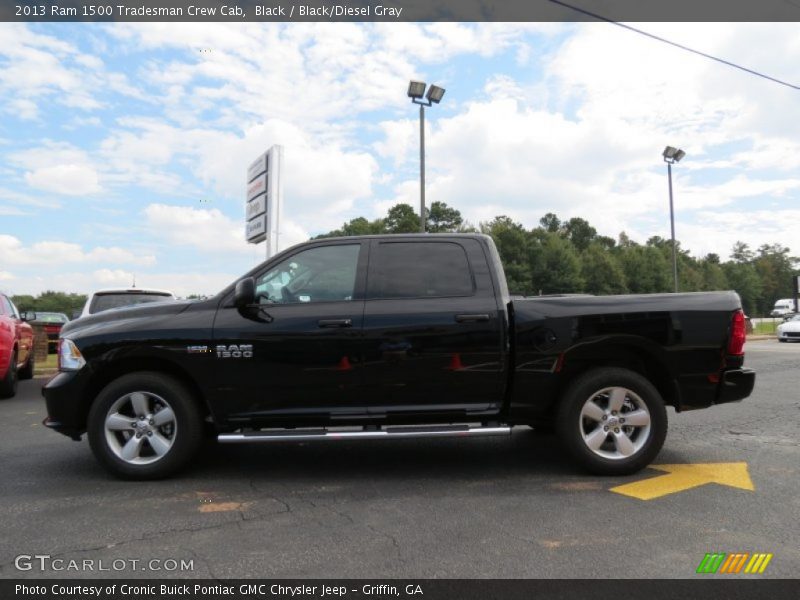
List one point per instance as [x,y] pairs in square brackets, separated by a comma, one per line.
[613,421]
[144,426]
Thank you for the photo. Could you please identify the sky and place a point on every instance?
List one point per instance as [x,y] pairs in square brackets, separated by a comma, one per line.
[124,147]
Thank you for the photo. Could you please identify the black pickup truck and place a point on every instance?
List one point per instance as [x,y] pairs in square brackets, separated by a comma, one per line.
[383,337]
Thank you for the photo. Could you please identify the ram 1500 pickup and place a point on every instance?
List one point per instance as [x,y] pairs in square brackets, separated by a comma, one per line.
[384,337]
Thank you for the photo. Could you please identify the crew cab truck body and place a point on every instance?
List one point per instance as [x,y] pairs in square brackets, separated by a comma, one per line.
[393,336]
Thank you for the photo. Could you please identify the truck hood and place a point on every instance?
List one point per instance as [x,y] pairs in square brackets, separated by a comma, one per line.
[125,316]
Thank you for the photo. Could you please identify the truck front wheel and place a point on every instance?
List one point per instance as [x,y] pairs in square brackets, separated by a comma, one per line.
[612,421]
[144,426]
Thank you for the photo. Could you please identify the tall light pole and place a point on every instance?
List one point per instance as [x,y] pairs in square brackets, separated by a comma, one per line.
[416,90]
[672,155]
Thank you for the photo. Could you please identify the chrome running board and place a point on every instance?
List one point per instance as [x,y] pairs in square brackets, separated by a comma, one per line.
[309,435]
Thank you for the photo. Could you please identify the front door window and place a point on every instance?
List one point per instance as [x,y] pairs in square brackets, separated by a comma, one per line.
[324,274]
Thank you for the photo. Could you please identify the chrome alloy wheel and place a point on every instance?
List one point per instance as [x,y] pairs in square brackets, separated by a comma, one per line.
[140,428]
[614,423]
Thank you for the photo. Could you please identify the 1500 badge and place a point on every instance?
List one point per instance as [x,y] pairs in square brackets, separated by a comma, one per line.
[235,351]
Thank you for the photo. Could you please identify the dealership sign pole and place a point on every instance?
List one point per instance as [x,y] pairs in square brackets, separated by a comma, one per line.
[264,199]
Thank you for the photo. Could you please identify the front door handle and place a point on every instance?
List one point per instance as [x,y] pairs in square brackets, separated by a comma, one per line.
[472,318]
[335,322]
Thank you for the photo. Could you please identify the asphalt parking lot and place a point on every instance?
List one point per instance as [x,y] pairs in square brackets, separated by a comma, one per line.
[493,507]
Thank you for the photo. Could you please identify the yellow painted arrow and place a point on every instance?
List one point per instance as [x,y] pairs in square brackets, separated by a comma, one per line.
[686,477]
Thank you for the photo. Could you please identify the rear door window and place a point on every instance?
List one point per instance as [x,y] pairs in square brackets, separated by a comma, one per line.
[419,270]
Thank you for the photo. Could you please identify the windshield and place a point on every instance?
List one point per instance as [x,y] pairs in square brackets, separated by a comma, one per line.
[103,302]
[48,317]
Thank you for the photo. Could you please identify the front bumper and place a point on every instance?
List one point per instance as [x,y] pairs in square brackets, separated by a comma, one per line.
[66,403]
[735,385]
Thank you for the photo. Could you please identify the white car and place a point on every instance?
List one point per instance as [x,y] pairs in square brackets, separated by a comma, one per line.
[790,329]
[114,298]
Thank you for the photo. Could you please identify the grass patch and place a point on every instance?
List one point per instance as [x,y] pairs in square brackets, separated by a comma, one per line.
[766,327]
[51,364]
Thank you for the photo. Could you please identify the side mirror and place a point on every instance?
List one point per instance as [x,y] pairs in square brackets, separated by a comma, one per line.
[76,314]
[28,315]
[245,293]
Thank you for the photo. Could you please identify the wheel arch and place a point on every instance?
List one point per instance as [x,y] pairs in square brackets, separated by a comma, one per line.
[113,370]
[636,354]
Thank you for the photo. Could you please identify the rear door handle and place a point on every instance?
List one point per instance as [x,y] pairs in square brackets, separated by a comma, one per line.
[335,322]
[472,318]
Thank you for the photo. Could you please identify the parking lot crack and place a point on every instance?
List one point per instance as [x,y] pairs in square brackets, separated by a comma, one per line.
[391,538]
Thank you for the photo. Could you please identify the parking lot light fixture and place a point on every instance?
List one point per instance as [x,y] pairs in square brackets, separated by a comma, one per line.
[416,91]
[435,94]
[672,155]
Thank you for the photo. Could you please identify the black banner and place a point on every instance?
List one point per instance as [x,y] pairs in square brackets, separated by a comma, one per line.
[424,589]
[240,11]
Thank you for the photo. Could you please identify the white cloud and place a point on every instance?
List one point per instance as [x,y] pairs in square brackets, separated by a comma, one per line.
[312,73]
[587,141]
[50,253]
[37,71]
[13,211]
[583,139]
[207,230]
[28,200]
[69,179]
[717,231]
[58,167]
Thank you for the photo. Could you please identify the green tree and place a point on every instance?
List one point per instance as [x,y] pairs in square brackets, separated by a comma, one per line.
[743,278]
[24,302]
[646,270]
[550,222]
[601,272]
[357,226]
[511,240]
[775,268]
[443,219]
[741,253]
[402,219]
[558,269]
[51,301]
[579,232]
[712,274]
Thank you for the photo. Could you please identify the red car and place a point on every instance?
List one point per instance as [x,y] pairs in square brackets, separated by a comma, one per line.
[16,348]
[52,322]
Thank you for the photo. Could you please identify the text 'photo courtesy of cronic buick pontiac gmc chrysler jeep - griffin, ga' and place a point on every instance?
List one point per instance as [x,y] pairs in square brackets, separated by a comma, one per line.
[387,337]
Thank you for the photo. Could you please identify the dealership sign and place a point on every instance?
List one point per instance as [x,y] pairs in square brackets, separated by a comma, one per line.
[263,199]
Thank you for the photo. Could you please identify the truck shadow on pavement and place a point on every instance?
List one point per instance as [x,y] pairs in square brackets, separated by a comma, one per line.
[525,453]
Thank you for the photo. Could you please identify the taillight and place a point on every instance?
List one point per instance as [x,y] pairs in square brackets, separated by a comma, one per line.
[738,334]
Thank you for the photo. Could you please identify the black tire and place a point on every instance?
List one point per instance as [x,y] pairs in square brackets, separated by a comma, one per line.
[576,429]
[782,340]
[8,385]
[26,372]
[186,433]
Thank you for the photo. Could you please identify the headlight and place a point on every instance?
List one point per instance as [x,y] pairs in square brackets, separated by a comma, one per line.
[69,357]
